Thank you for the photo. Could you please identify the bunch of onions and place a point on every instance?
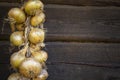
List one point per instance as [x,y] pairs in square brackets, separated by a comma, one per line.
[28,35]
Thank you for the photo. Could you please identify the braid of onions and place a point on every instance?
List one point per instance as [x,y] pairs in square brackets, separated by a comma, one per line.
[28,33]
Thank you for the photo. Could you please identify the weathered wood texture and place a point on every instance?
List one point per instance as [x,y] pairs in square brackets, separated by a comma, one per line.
[68,23]
[71,72]
[69,59]
[76,2]
[94,54]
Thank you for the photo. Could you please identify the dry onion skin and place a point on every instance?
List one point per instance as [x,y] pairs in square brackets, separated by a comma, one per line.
[38,19]
[40,56]
[16,38]
[36,35]
[33,6]
[16,15]
[30,68]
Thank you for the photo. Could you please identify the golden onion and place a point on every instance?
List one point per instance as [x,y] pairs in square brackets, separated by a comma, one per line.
[16,38]
[16,15]
[14,76]
[36,35]
[17,76]
[16,59]
[30,68]
[43,76]
[40,56]
[38,19]
[33,6]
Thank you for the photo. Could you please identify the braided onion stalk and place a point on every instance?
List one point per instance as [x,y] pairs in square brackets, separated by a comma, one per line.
[28,35]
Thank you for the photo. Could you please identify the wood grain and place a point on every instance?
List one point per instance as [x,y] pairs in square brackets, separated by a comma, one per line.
[68,23]
[76,2]
[71,72]
[93,54]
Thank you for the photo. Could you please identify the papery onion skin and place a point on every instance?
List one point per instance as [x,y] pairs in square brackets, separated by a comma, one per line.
[36,35]
[30,68]
[32,6]
[41,56]
[17,15]
[38,19]
[16,38]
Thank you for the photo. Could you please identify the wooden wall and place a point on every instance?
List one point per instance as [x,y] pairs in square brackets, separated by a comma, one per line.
[83,39]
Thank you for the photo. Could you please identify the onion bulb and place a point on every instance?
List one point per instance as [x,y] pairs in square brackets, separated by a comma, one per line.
[17,76]
[14,76]
[16,15]
[40,56]
[16,38]
[36,35]
[38,19]
[17,57]
[43,76]
[20,27]
[32,6]
[30,68]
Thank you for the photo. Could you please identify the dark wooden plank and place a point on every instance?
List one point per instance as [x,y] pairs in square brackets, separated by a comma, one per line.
[76,2]
[93,54]
[4,71]
[71,72]
[68,23]
[80,72]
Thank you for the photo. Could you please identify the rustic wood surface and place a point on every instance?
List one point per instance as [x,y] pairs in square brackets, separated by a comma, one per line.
[67,23]
[76,2]
[94,54]
[83,43]
[74,60]
[71,72]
